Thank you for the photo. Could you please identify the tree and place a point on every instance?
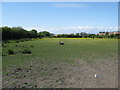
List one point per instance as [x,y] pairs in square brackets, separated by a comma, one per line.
[6,33]
[33,33]
[46,34]
[19,33]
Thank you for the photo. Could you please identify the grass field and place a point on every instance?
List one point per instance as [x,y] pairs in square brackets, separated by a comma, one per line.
[51,65]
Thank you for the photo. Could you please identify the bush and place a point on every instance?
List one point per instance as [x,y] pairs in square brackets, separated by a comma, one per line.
[17,41]
[3,54]
[32,46]
[22,40]
[27,39]
[26,51]
[10,52]
[3,45]
[16,45]
[7,41]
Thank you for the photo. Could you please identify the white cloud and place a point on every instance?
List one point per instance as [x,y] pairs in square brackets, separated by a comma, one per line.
[78,29]
[70,5]
[86,27]
[73,29]
[30,28]
[39,29]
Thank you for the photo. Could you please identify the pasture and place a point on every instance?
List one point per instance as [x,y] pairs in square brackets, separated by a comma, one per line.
[50,65]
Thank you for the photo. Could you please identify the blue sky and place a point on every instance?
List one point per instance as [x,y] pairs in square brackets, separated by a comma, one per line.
[61,17]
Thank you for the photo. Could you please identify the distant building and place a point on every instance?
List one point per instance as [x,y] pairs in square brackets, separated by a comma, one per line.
[55,35]
[114,32]
[83,34]
[117,32]
[109,33]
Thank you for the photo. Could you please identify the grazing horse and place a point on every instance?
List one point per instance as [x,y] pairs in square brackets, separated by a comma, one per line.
[61,43]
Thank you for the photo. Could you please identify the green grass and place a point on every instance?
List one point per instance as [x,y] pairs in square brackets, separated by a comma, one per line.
[48,51]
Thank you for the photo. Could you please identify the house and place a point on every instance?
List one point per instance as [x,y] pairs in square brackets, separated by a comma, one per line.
[114,32]
[117,32]
[109,33]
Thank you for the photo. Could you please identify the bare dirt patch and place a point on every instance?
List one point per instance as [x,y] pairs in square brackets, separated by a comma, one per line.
[64,75]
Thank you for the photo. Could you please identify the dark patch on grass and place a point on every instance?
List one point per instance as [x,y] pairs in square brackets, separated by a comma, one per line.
[26,51]
[17,41]
[32,46]
[7,41]
[2,45]
[16,45]
[10,52]
[3,54]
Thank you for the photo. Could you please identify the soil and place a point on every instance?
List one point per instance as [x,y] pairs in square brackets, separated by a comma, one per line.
[97,74]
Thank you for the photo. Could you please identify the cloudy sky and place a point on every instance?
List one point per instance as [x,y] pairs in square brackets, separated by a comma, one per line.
[61,17]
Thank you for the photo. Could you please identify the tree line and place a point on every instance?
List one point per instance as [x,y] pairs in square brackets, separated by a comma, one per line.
[85,35]
[12,33]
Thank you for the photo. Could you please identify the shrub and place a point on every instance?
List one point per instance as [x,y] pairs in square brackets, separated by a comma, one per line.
[17,41]
[10,52]
[26,51]
[32,46]
[3,54]
[3,45]
[22,40]
[7,41]
[16,45]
